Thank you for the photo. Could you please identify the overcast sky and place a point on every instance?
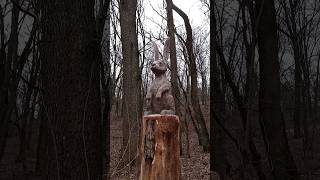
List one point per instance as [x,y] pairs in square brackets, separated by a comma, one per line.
[193,8]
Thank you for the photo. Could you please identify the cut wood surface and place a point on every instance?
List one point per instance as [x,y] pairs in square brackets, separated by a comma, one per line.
[159,150]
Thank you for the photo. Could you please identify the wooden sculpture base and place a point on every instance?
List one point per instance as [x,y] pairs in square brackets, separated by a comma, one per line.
[159,150]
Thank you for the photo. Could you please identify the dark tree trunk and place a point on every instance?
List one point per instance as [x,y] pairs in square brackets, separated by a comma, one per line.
[306,99]
[2,51]
[173,57]
[217,104]
[316,89]
[103,18]
[204,87]
[316,101]
[71,99]
[297,91]
[7,88]
[283,165]
[203,132]
[131,78]
[42,143]
[249,34]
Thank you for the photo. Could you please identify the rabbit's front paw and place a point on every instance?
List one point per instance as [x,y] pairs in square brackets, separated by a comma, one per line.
[148,96]
[168,112]
[158,95]
[145,113]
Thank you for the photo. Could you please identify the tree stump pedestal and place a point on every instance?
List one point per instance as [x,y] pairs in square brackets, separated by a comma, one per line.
[159,150]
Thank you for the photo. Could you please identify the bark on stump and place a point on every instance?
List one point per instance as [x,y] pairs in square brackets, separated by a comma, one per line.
[159,150]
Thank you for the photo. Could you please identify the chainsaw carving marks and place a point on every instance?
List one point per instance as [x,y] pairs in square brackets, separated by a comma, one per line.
[159,99]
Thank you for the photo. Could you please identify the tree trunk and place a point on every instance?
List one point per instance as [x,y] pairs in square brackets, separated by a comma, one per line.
[159,150]
[315,106]
[2,51]
[204,87]
[307,113]
[250,87]
[297,91]
[203,132]
[218,160]
[283,165]
[173,57]
[42,144]
[131,78]
[8,90]
[103,18]
[71,95]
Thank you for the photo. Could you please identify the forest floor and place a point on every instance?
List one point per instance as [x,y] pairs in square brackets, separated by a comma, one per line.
[11,168]
[307,161]
[192,168]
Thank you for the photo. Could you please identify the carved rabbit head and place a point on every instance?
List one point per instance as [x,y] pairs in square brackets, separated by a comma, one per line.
[159,66]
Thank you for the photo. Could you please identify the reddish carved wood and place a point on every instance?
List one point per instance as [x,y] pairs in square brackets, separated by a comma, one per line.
[159,151]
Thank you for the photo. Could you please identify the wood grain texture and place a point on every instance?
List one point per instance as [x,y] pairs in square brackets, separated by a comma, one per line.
[165,163]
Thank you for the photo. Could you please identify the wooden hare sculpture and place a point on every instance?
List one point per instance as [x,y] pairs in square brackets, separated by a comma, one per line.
[159,99]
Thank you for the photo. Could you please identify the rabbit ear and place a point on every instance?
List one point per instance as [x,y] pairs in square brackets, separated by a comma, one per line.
[166,50]
[156,51]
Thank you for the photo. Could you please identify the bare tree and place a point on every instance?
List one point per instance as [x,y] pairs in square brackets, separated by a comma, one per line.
[218,158]
[173,56]
[131,78]
[103,31]
[201,125]
[7,96]
[71,98]
[271,119]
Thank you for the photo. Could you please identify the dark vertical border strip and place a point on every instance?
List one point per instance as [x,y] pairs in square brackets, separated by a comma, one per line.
[211,90]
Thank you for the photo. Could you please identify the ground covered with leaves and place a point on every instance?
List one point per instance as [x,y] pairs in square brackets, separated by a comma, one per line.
[192,168]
